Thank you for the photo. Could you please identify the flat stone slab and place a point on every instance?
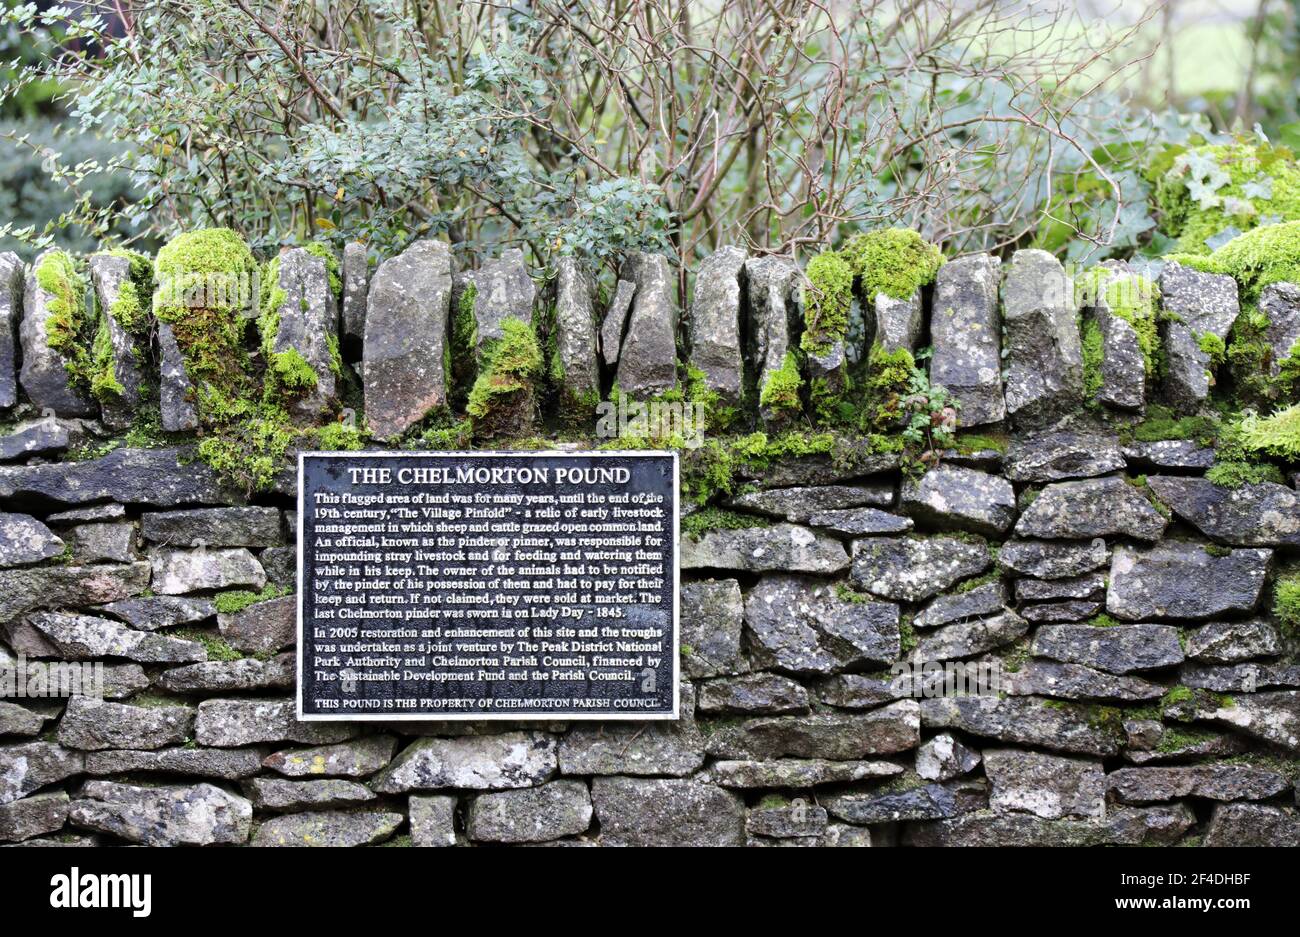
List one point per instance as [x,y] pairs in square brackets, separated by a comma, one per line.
[834,736]
[914,568]
[984,600]
[797,505]
[1229,642]
[531,815]
[1169,454]
[227,764]
[1127,826]
[966,639]
[1048,786]
[215,527]
[160,477]
[1116,649]
[489,762]
[279,794]
[25,540]
[33,816]
[41,437]
[951,497]
[759,693]
[340,828]
[1044,559]
[1095,507]
[800,625]
[1150,785]
[944,758]
[1195,304]
[1078,682]
[1183,580]
[926,802]
[786,547]
[176,572]
[86,637]
[93,725]
[29,766]
[798,773]
[233,723]
[1253,825]
[666,812]
[1063,727]
[201,815]
[354,759]
[1262,515]
[1057,456]
[647,361]
[861,522]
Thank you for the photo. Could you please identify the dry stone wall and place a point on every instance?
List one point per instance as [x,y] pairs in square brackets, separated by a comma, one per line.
[1146,692]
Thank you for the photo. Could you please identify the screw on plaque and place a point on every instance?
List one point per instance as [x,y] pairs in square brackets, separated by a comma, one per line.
[649,680]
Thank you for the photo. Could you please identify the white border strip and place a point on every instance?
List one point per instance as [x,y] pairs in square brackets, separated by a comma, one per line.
[551,716]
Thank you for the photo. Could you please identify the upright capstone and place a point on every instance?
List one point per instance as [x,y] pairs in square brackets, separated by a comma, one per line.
[714,328]
[108,273]
[175,389]
[1122,369]
[1196,305]
[965,332]
[406,336]
[43,375]
[575,335]
[503,289]
[898,321]
[772,289]
[356,280]
[11,307]
[307,322]
[647,361]
[1280,302]
[1044,355]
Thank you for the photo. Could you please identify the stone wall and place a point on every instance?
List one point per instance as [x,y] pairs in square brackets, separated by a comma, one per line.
[1146,693]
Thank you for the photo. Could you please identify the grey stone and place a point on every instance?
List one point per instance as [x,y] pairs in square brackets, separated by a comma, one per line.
[160,477]
[85,637]
[176,394]
[944,758]
[859,522]
[24,540]
[898,321]
[487,763]
[262,627]
[406,334]
[801,625]
[798,772]
[797,505]
[1129,826]
[857,691]
[983,600]
[232,723]
[1117,649]
[1273,717]
[41,437]
[1071,610]
[1182,580]
[503,290]
[1262,515]
[227,764]
[1058,726]
[531,815]
[951,497]
[1064,454]
[1048,786]
[575,332]
[1093,507]
[914,568]
[280,565]
[789,821]
[766,693]
[355,271]
[1123,366]
[833,736]
[92,725]
[647,362]
[214,527]
[1227,642]
[854,457]
[329,828]
[1048,560]
[201,815]
[785,547]
[33,816]
[666,812]
[639,748]
[108,274]
[176,572]
[715,324]
[773,287]
[94,542]
[355,759]
[1194,304]
[1077,682]
[1240,678]
[711,618]
[43,377]
[966,639]
[615,322]
[95,513]
[1170,454]
[236,676]
[1253,825]
[925,802]
[1043,350]
[965,328]
[29,766]
[433,820]
[1087,586]
[278,794]
[123,680]
[14,719]
[1280,302]
[1149,785]
[150,613]
[11,310]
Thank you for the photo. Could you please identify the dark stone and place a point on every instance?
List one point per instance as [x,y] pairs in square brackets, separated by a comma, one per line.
[1183,580]
[914,568]
[859,522]
[801,625]
[575,332]
[1073,610]
[1077,682]
[1253,825]
[531,815]
[153,612]
[33,816]
[965,328]
[663,748]
[1263,515]
[1213,782]
[85,637]
[983,600]
[93,725]
[1117,649]
[433,820]
[952,497]
[615,322]
[1024,721]
[797,505]
[42,437]
[666,812]
[1280,302]
[834,736]
[337,829]
[229,765]
[1194,304]
[1065,454]
[1043,350]
[647,361]
[93,542]
[160,477]
[1240,678]
[715,324]
[108,273]
[1087,586]
[966,639]
[356,282]
[857,691]
[43,377]
[927,802]
[1169,454]
[1227,642]
[177,410]
[1123,366]
[25,540]
[785,547]
[1047,560]
[711,617]
[772,287]
[11,311]
[798,773]
[219,676]
[1095,507]
[263,627]
[1151,826]
[791,821]
[214,527]
[766,693]
[1048,786]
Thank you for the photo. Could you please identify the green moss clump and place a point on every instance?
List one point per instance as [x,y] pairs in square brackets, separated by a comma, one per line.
[1161,424]
[502,397]
[970,443]
[236,600]
[71,332]
[130,310]
[780,394]
[1102,621]
[1238,462]
[289,370]
[827,302]
[1134,299]
[1218,187]
[889,375]
[104,384]
[1286,604]
[250,450]
[1092,358]
[339,437]
[1256,259]
[218,649]
[1277,435]
[895,261]
[1213,347]
[712,518]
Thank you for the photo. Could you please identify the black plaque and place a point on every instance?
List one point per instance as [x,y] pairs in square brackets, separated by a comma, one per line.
[487,585]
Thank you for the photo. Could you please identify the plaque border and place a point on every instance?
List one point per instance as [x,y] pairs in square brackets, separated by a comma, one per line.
[556,716]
